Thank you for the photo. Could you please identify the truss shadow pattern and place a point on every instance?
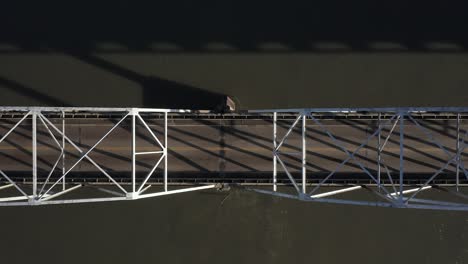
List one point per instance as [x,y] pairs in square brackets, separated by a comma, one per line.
[390,193]
[386,187]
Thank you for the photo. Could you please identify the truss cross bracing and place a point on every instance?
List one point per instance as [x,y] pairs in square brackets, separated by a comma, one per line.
[394,193]
[379,175]
[48,192]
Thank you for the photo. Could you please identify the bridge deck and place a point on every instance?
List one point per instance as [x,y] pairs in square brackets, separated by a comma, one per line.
[341,147]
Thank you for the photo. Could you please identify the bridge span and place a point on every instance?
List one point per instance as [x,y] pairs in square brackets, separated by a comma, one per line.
[397,157]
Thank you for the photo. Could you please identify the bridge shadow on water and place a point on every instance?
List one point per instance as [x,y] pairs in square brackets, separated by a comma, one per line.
[232,28]
[186,29]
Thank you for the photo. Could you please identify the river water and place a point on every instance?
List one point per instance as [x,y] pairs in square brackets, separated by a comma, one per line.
[240,226]
[230,227]
[70,58]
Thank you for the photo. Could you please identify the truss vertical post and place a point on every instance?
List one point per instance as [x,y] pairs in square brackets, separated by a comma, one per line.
[133,150]
[379,157]
[63,149]
[165,151]
[457,174]
[402,133]
[275,159]
[304,153]
[34,154]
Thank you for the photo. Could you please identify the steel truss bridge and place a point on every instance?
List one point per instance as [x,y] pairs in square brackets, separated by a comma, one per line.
[45,160]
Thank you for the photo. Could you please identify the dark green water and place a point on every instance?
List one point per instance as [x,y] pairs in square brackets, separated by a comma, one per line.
[245,227]
[257,80]
[236,227]
[267,56]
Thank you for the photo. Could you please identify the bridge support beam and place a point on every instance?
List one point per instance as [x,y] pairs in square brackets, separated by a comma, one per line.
[392,199]
[361,156]
[48,192]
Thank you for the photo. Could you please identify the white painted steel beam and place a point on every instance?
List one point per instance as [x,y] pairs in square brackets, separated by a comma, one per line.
[191,189]
[320,195]
[275,158]
[410,191]
[149,152]
[304,154]
[36,196]
[55,195]
[6,186]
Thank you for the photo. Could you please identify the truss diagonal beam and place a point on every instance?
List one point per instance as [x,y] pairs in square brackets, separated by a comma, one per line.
[151,131]
[151,173]
[410,191]
[50,132]
[191,189]
[432,177]
[14,184]
[344,190]
[50,174]
[1,140]
[431,137]
[15,126]
[339,145]
[85,155]
[389,177]
[6,186]
[385,197]
[55,195]
[47,192]
[389,134]
[289,174]
[291,128]
[350,155]
[455,157]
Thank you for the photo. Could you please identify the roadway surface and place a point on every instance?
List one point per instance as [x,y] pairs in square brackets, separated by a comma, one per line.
[228,149]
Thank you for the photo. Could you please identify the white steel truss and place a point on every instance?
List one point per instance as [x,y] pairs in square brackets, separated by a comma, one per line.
[46,193]
[401,195]
[393,193]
